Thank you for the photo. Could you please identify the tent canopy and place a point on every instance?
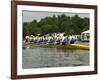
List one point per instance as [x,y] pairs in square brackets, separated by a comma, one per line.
[88,31]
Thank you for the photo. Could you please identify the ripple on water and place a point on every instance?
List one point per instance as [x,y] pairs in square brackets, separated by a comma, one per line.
[47,57]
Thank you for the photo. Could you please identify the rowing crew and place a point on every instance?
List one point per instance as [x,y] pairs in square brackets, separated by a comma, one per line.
[65,39]
[51,40]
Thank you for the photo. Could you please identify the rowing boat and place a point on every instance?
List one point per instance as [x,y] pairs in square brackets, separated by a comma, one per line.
[70,46]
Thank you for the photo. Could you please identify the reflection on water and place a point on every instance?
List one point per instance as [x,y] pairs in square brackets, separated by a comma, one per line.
[51,57]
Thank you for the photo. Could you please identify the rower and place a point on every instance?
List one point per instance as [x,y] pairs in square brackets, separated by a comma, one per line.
[71,39]
[64,39]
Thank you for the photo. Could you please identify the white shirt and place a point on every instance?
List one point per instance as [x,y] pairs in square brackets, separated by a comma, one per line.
[63,38]
[71,37]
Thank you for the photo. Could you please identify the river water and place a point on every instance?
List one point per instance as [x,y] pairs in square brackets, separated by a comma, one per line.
[51,57]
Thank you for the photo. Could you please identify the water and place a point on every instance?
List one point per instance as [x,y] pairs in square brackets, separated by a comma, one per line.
[51,57]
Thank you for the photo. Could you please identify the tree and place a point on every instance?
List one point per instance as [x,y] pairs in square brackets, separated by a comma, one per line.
[26,29]
[60,23]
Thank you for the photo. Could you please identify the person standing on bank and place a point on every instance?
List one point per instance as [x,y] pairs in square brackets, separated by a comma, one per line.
[72,39]
[64,39]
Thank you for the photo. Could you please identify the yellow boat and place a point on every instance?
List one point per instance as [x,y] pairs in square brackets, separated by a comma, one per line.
[70,46]
[79,46]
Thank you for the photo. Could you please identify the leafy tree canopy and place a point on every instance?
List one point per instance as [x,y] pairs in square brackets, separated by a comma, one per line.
[60,23]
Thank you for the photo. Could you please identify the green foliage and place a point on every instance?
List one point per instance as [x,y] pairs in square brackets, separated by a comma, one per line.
[60,23]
